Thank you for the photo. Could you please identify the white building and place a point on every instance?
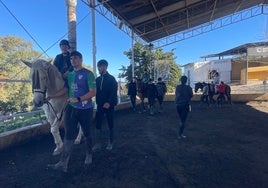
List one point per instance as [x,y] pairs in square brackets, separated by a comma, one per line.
[200,71]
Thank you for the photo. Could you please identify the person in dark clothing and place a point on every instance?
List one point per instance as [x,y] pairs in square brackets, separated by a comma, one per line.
[211,92]
[161,91]
[151,94]
[183,95]
[106,100]
[62,60]
[204,96]
[132,92]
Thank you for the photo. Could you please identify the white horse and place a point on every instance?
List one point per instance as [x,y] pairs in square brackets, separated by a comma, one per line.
[51,94]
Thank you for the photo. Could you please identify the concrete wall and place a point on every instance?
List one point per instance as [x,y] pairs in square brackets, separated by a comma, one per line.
[235,97]
[24,134]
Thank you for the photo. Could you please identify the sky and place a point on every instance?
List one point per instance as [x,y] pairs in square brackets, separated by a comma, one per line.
[46,22]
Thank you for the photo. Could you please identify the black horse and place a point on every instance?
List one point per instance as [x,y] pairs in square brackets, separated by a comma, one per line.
[211,90]
[197,86]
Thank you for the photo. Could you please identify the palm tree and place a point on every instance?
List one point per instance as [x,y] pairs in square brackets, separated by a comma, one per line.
[71,14]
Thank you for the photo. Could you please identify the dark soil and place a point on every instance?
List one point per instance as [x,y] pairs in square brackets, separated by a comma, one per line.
[225,147]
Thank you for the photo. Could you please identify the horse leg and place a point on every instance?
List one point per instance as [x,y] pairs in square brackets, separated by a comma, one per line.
[229,98]
[54,129]
[79,136]
[143,105]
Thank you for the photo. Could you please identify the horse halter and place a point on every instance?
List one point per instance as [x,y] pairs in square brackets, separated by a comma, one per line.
[37,84]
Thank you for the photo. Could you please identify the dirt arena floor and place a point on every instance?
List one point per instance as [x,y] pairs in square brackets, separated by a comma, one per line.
[225,148]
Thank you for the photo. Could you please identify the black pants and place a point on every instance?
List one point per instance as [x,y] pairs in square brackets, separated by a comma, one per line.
[151,101]
[133,100]
[183,111]
[204,99]
[220,99]
[109,115]
[74,116]
[160,99]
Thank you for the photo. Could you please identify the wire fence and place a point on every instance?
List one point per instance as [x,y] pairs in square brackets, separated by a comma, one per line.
[17,120]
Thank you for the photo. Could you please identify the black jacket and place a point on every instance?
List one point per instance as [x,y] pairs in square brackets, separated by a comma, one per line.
[151,90]
[106,86]
[132,89]
[63,63]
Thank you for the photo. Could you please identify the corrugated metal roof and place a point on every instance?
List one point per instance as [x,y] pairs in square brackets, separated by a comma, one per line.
[155,19]
[242,49]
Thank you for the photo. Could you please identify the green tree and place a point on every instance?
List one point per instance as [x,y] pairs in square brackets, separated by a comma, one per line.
[15,95]
[142,58]
[141,61]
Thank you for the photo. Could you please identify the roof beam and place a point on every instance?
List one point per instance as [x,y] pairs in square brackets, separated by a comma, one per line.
[159,18]
[213,10]
[165,10]
[207,27]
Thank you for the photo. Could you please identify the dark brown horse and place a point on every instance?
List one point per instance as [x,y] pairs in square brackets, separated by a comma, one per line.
[142,92]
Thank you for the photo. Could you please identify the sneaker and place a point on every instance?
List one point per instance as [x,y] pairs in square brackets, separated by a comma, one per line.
[88,159]
[109,146]
[60,166]
[96,147]
[181,136]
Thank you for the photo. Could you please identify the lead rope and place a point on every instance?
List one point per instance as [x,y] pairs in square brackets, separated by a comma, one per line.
[62,111]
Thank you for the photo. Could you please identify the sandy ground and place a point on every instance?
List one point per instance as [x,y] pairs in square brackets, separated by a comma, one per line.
[225,147]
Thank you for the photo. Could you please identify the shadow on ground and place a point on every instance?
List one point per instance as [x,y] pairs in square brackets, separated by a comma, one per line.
[225,147]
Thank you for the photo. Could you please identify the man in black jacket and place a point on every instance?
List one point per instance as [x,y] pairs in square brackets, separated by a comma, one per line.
[106,100]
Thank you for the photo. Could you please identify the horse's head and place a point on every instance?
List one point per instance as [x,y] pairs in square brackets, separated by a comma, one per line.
[140,85]
[198,86]
[44,77]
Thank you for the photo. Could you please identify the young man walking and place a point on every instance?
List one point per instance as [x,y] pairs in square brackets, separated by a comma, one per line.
[106,99]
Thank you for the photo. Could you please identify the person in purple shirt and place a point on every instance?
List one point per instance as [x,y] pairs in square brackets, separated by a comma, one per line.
[82,88]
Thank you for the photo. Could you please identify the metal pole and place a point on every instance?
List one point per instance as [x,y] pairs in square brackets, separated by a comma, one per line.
[132,54]
[151,63]
[246,76]
[92,3]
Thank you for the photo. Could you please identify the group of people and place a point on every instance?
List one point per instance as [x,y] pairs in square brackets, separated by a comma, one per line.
[210,89]
[82,87]
[183,95]
[153,91]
